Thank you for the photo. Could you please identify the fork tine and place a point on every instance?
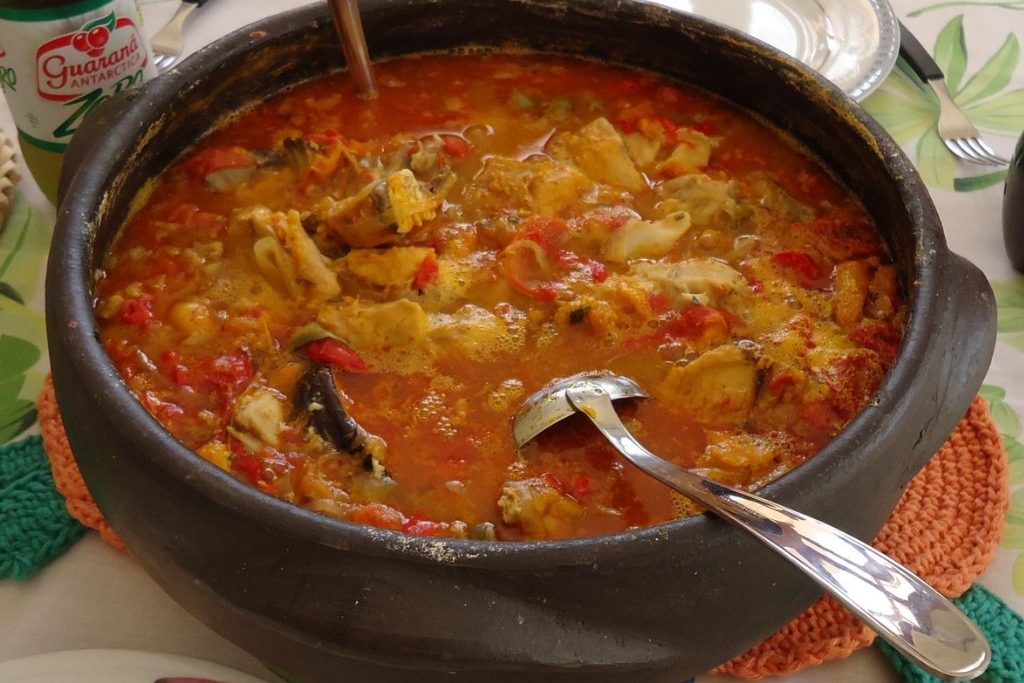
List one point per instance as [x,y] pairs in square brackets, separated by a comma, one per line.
[167,42]
[164,60]
[954,146]
[986,152]
[974,151]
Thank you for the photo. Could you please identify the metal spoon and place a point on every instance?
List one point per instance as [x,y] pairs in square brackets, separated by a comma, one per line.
[904,610]
[353,42]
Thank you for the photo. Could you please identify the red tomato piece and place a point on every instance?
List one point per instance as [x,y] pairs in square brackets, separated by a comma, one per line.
[545,231]
[659,302]
[579,487]
[696,324]
[598,271]
[672,132]
[630,83]
[217,158]
[426,273]
[191,217]
[670,95]
[532,271]
[425,527]
[335,353]
[880,336]
[694,321]
[801,268]
[246,463]
[222,373]
[842,236]
[553,481]
[325,138]
[456,146]
[529,271]
[708,128]
[379,515]
[628,124]
[137,311]
[780,381]
[165,411]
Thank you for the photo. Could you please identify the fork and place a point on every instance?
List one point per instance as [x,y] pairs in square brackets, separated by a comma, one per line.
[167,43]
[956,130]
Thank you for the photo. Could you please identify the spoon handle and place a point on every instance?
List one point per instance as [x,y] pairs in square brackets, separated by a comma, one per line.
[347,21]
[904,610]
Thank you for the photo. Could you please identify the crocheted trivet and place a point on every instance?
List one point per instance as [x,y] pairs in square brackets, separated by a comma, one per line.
[65,471]
[35,527]
[8,176]
[945,528]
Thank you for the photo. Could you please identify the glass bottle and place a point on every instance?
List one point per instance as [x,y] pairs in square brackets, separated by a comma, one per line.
[59,59]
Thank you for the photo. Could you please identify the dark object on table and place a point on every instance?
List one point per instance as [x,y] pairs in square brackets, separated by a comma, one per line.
[330,601]
[1013,208]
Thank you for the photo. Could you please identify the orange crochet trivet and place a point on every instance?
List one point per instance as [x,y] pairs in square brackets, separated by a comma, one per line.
[945,529]
[65,471]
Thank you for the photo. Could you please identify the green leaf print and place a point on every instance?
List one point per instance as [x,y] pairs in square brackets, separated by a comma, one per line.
[1010,304]
[978,182]
[951,52]
[23,249]
[1009,425]
[901,109]
[16,413]
[24,244]
[945,5]
[909,110]
[1013,537]
[994,75]
[11,293]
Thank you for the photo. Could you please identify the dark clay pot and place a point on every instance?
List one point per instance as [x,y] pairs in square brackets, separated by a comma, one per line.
[328,601]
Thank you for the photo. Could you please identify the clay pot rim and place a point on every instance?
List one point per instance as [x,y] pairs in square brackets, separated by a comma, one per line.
[805,487]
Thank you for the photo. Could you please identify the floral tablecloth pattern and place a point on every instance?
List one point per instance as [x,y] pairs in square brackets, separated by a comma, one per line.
[977,44]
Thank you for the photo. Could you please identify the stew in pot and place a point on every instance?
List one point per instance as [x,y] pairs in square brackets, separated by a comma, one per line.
[343,301]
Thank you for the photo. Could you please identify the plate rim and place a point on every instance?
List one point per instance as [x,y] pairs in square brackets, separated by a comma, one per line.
[98,664]
[874,67]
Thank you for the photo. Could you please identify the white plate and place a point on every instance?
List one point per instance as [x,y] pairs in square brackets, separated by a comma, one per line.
[114,666]
[853,43]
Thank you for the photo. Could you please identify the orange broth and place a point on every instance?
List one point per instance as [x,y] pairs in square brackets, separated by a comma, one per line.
[486,225]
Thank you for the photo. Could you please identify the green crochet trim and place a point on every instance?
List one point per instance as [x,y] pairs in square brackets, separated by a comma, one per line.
[1003,627]
[35,526]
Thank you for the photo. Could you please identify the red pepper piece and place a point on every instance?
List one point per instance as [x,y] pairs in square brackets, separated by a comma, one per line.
[333,352]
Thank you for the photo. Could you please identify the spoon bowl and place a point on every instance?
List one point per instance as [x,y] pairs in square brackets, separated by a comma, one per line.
[904,610]
[551,404]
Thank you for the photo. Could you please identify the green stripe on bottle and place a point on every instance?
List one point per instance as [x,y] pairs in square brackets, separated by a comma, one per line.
[57,147]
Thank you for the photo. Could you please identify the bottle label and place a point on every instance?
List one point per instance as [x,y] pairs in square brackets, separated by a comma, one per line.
[55,69]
